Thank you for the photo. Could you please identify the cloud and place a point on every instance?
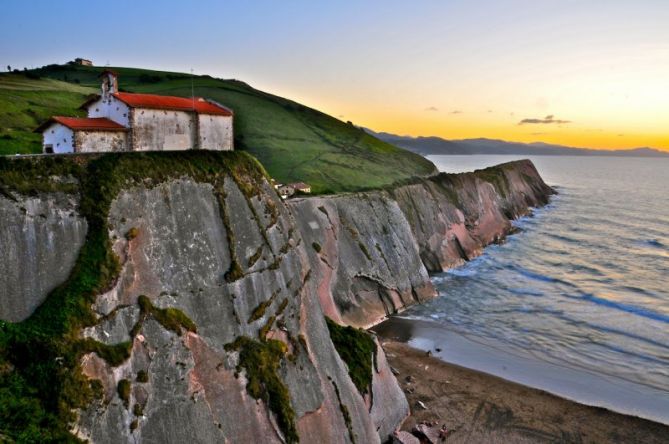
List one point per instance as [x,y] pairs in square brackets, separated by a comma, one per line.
[546,120]
[431,108]
[537,134]
[456,112]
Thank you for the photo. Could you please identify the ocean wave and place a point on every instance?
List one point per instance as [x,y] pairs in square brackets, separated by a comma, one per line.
[627,308]
[654,243]
[527,292]
[463,271]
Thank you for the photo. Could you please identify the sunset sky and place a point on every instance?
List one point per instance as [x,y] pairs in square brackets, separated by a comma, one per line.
[581,73]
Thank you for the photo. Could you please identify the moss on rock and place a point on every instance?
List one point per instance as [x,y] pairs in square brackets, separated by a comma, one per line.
[356,348]
[171,318]
[261,361]
[40,395]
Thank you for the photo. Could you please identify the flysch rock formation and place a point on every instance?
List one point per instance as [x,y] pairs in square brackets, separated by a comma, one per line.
[453,216]
[250,266]
[40,238]
[179,258]
[363,255]
[371,252]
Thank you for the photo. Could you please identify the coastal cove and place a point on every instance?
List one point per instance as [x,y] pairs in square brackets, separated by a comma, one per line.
[576,303]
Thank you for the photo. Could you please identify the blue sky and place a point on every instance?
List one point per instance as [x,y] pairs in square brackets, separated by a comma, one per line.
[451,68]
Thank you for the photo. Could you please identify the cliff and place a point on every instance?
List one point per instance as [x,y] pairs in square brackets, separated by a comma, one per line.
[371,252]
[173,296]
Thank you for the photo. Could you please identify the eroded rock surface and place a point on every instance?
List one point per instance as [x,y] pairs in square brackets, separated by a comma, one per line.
[363,256]
[453,216]
[237,262]
[175,249]
[371,252]
[40,238]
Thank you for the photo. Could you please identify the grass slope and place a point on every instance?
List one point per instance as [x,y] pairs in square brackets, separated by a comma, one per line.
[292,141]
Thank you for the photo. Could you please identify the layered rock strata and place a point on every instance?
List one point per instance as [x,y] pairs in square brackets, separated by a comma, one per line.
[222,292]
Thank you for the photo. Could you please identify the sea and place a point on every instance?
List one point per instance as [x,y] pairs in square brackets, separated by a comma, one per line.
[576,303]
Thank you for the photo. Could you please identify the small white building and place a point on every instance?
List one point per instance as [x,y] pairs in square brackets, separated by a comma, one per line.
[82,135]
[119,121]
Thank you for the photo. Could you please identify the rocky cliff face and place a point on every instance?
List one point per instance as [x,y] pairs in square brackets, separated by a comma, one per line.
[185,239]
[371,252]
[207,324]
[363,255]
[453,216]
[39,241]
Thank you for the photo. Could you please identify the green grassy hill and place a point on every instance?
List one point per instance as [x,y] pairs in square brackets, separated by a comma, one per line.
[292,141]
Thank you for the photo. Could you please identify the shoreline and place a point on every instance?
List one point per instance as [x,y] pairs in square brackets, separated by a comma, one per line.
[498,359]
[479,407]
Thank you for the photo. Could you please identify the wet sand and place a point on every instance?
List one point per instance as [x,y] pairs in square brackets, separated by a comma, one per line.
[480,408]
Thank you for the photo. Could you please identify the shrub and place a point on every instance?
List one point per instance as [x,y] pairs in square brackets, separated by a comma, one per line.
[123,389]
[142,376]
[132,233]
[137,410]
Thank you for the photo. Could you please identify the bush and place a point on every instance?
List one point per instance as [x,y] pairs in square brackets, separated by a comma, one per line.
[142,376]
[132,233]
[123,389]
[137,410]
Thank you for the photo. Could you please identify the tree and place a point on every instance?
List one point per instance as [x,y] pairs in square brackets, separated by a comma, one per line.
[9,68]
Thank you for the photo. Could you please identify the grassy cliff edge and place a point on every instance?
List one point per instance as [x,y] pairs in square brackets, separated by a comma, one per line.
[292,141]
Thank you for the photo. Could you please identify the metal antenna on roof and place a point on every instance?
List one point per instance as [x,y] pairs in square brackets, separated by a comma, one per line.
[192,87]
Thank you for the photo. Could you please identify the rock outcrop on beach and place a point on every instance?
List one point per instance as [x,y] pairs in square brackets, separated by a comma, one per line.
[194,310]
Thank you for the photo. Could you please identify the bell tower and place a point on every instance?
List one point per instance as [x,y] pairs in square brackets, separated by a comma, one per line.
[109,84]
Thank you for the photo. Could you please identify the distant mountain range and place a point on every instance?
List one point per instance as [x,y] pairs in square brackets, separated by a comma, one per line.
[436,145]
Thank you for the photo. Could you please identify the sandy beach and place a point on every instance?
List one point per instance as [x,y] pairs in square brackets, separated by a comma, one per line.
[479,408]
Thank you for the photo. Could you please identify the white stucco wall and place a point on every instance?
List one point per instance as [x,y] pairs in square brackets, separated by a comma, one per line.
[113,109]
[159,130]
[97,141]
[215,132]
[60,137]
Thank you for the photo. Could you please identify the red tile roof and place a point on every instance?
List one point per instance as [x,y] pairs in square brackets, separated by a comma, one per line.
[154,101]
[83,123]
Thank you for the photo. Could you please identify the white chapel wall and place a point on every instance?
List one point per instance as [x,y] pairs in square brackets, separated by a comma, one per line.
[113,109]
[60,137]
[215,132]
[162,130]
